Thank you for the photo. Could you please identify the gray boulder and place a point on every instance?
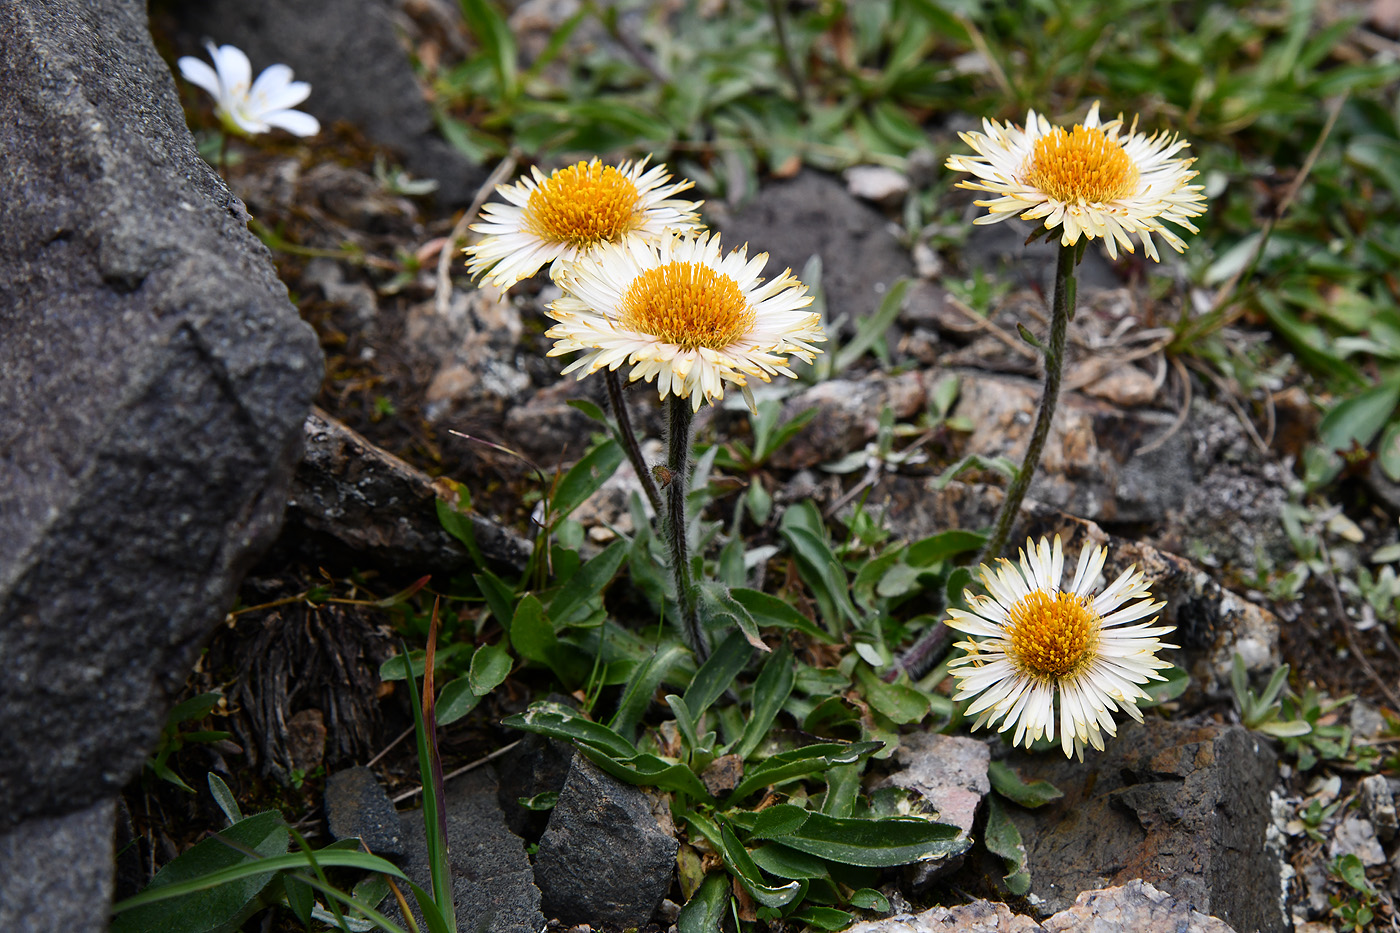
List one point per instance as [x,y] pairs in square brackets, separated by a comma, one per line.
[154,379]
[605,858]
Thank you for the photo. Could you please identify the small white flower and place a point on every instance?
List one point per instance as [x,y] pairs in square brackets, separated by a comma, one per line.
[1092,180]
[559,217]
[250,107]
[681,312]
[1041,642]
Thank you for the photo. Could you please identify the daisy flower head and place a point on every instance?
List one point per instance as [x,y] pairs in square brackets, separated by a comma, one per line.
[1038,643]
[1094,179]
[574,209]
[247,107]
[681,312]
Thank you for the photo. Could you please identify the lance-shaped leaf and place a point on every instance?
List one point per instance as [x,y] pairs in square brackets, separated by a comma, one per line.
[800,762]
[880,843]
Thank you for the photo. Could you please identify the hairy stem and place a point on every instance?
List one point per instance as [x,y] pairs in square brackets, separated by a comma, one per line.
[678,423]
[1060,314]
[926,651]
[629,440]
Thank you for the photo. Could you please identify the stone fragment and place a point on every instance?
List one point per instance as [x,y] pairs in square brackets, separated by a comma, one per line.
[879,184]
[492,882]
[65,884]
[980,916]
[355,503]
[813,214]
[1182,805]
[1136,906]
[1379,805]
[723,774]
[849,416]
[358,808]
[154,377]
[349,51]
[604,857]
[471,349]
[1356,836]
[948,771]
[536,766]
[306,740]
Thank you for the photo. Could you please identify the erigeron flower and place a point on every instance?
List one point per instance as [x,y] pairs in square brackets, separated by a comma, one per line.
[1038,642]
[1092,180]
[680,312]
[576,208]
[250,107]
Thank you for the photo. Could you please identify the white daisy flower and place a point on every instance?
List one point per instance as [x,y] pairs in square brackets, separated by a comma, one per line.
[250,107]
[1091,180]
[573,210]
[1040,642]
[683,314]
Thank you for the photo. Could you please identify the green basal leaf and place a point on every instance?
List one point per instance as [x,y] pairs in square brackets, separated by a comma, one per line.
[877,843]
[649,771]
[824,918]
[1009,784]
[942,546]
[1004,839]
[742,864]
[562,722]
[768,610]
[588,582]
[717,605]
[490,666]
[704,913]
[642,686]
[456,700]
[897,702]
[717,674]
[586,477]
[770,692]
[801,762]
[782,862]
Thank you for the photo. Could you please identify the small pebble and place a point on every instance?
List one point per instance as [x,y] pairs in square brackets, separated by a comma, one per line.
[1379,804]
[1356,836]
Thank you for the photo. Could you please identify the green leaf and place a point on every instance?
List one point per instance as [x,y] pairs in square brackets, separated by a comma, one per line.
[224,798]
[800,762]
[1388,451]
[225,879]
[771,611]
[500,597]
[434,814]
[562,722]
[782,862]
[822,572]
[880,843]
[458,523]
[1004,839]
[194,708]
[588,582]
[716,674]
[872,328]
[585,478]
[540,802]
[717,604]
[824,918]
[497,42]
[642,686]
[490,666]
[743,866]
[1360,418]
[870,899]
[1009,784]
[898,702]
[942,546]
[300,898]
[532,636]
[456,700]
[704,913]
[842,790]
[770,692]
[647,770]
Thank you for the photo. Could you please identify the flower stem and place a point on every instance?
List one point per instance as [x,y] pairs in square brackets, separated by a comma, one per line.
[926,651]
[629,440]
[678,423]
[1060,314]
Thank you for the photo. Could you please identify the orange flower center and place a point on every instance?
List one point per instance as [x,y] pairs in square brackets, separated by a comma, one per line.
[583,205]
[1081,167]
[687,304]
[1052,636]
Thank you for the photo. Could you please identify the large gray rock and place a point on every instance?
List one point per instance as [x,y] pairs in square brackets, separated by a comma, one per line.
[65,884]
[604,858]
[349,51]
[154,378]
[492,884]
[813,214]
[1184,806]
[950,773]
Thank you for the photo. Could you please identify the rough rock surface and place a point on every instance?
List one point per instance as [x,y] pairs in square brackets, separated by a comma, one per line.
[154,377]
[1136,906]
[604,856]
[1184,806]
[814,214]
[536,766]
[849,416]
[67,863]
[380,94]
[492,884]
[950,773]
[358,808]
[358,503]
